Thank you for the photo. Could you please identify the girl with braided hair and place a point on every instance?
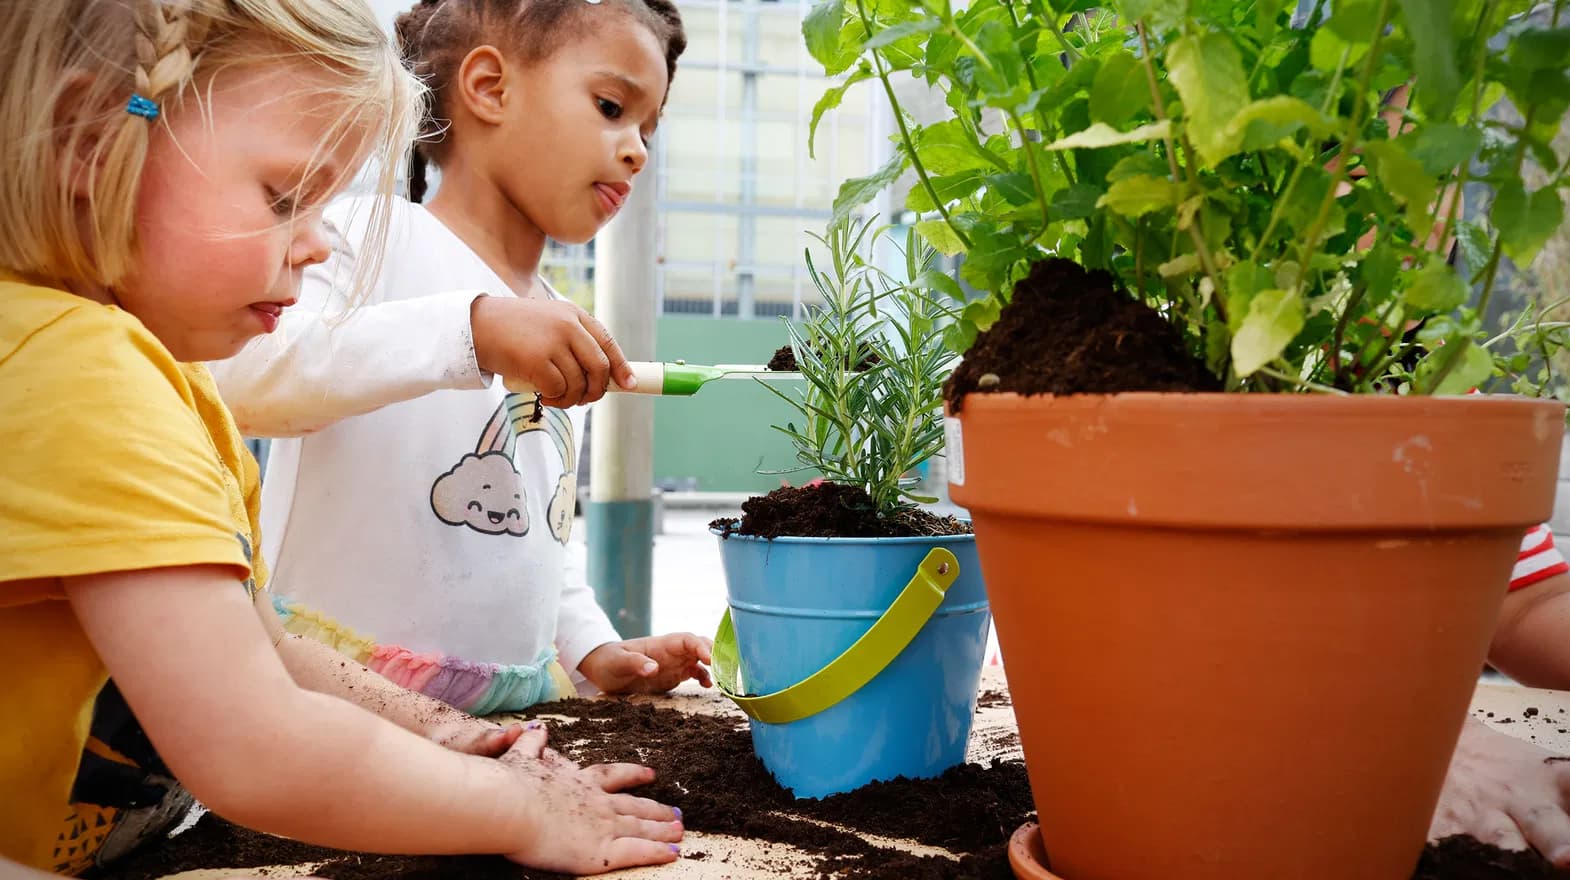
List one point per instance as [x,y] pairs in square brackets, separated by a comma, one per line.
[163,169]
[417,514]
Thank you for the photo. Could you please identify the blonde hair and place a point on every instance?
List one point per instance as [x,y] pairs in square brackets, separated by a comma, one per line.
[95,54]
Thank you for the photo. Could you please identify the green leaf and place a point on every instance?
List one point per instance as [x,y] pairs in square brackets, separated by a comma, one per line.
[860,190]
[1273,321]
[941,282]
[1265,123]
[1379,270]
[949,187]
[1441,147]
[1244,280]
[1102,135]
[1208,73]
[1525,221]
[1541,49]
[830,100]
[1218,345]
[941,236]
[1016,189]
[1436,288]
[1476,244]
[1005,78]
[1120,91]
[890,35]
[982,313]
[1160,13]
[1433,56]
[1405,177]
[1354,20]
[1139,163]
[1474,368]
[1141,194]
[1187,264]
[821,27]
[1327,48]
[946,148]
[1075,202]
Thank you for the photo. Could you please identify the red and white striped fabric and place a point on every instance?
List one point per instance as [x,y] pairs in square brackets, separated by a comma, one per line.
[1539,560]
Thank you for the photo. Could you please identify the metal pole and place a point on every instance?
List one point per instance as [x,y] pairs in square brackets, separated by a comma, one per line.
[621,505]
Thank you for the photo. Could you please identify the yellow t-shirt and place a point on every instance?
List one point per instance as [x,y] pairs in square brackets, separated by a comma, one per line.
[113,457]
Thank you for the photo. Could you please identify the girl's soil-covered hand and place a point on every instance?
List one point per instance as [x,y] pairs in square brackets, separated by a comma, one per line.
[586,824]
[651,665]
[1507,792]
[557,347]
[473,736]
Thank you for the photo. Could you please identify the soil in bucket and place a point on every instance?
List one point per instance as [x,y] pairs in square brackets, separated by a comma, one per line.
[1069,331]
[830,510]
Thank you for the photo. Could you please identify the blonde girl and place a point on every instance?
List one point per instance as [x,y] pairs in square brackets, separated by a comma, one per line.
[163,165]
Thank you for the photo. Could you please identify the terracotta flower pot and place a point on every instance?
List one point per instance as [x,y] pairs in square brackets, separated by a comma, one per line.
[1241,631]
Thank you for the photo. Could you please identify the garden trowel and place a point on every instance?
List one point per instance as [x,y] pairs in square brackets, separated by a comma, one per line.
[678,379]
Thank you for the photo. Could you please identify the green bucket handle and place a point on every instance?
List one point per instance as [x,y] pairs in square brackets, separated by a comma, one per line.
[859,664]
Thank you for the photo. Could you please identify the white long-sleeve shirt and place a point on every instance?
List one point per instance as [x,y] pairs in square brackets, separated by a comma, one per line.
[415,514]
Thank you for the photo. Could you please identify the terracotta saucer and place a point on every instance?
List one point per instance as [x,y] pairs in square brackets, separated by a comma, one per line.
[1026,856]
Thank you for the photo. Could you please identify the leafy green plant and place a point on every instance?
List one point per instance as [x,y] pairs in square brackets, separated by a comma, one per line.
[873,363]
[1284,195]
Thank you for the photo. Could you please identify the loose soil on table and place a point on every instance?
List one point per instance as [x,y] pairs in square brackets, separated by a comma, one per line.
[706,767]
[784,361]
[1069,331]
[830,510]
[1464,858]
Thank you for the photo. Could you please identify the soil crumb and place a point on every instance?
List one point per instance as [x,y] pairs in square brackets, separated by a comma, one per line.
[784,361]
[830,510]
[1069,331]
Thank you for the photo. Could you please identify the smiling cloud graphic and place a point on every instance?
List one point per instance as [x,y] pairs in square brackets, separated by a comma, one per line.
[483,492]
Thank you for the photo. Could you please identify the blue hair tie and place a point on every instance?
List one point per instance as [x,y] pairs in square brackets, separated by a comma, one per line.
[143,107]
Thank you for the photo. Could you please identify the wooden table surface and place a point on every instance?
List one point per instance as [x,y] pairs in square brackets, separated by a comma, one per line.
[1506,707]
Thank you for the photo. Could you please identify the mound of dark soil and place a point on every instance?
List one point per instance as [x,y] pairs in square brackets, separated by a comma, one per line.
[830,510]
[1069,331]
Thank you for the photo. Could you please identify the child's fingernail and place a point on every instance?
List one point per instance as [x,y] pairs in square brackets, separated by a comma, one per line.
[650,667]
[675,849]
[532,725]
[678,813]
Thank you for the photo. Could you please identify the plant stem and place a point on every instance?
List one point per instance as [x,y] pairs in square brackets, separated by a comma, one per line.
[1139,256]
[904,133]
[1277,213]
[1035,170]
[1352,303]
[1348,144]
[1195,232]
[1448,362]
[1052,23]
[1477,110]
[1302,384]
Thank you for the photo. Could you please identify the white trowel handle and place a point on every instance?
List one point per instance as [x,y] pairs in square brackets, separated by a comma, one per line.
[650,376]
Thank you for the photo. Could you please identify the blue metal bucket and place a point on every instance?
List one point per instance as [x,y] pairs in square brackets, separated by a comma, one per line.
[798,603]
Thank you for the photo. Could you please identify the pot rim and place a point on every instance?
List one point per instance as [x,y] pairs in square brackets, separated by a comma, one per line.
[1364,404]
